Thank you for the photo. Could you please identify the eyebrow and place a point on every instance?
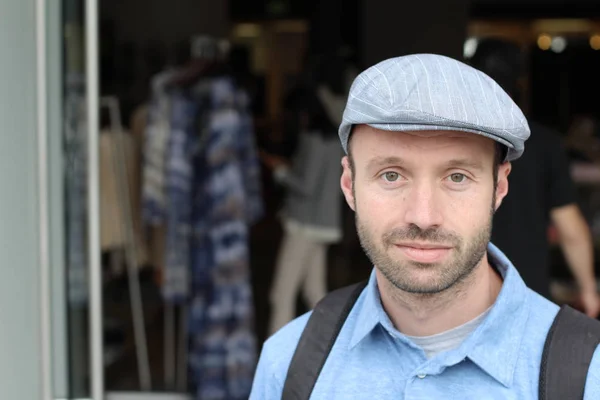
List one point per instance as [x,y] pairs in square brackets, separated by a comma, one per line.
[463,163]
[383,161]
[379,162]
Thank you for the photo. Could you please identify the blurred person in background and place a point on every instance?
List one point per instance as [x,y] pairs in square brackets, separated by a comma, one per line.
[312,211]
[541,193]
[582,140]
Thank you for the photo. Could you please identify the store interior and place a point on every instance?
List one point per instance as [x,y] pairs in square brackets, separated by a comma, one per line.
[153,239]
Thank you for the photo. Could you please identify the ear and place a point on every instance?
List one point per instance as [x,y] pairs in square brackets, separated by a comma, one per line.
[346,183]
[502,186]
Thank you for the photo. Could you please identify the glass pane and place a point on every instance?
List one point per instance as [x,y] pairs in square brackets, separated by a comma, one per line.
[76,215]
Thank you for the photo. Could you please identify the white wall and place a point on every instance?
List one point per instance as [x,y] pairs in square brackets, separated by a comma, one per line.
[19,287]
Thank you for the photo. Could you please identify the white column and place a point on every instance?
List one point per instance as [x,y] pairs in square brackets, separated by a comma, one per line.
[20,311]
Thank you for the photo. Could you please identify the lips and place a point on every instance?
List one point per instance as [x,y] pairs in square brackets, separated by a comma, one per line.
[423,252]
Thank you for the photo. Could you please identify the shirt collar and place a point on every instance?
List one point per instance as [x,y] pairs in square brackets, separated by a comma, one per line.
[370,314]
[494,345]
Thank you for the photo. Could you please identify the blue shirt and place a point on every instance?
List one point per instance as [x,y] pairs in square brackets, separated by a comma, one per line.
[372,360]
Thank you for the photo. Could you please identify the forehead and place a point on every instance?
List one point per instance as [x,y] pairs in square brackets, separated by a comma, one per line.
[371,142]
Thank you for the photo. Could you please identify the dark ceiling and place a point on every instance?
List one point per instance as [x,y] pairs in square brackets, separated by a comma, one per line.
[517,9]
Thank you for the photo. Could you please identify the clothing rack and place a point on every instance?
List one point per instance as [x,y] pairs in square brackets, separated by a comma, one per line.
[206,285]
[131,252]
[176,366]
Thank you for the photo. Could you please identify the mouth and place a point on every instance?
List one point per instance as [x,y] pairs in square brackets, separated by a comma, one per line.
[424,252]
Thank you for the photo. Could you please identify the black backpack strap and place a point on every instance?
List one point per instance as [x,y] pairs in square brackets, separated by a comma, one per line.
[568,352]
[318,337]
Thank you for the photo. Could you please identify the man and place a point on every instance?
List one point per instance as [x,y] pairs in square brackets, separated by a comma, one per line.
[445,315]
[541,192]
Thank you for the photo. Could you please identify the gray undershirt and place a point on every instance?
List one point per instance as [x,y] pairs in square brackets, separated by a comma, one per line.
[449,340]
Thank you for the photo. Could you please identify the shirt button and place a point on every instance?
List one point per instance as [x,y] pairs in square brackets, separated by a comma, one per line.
[421,376]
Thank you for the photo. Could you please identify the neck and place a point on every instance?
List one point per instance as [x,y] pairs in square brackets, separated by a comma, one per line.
[426,315]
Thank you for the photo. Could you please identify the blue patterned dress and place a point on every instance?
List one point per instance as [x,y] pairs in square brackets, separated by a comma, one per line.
[213,194]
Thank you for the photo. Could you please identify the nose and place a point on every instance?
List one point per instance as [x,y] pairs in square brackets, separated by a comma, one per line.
[422,206]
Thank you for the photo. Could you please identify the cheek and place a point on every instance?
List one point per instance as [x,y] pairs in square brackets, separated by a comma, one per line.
[380,211]
[468,212]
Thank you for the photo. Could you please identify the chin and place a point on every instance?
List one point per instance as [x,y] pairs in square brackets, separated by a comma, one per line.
[426,282]
[417,287]
[421,278]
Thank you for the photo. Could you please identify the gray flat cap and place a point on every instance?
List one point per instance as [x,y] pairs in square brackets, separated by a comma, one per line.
[432,92]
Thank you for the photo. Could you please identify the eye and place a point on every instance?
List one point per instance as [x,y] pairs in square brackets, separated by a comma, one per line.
[458,178]
[391,176]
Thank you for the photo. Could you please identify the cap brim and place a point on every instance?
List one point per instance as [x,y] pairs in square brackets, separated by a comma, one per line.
[511,153]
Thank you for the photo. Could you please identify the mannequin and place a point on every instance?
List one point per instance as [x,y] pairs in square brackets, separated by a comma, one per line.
[312,212]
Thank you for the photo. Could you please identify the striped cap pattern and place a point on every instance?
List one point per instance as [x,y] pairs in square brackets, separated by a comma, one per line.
[432,92]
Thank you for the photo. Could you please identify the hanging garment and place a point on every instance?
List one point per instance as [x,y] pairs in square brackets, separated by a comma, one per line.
[155,149]
[182,150]
[153,236]
[112,234]
[113,210]
[225,197]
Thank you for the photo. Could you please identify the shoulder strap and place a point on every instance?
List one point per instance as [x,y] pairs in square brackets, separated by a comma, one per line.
[317,340]
[568,352]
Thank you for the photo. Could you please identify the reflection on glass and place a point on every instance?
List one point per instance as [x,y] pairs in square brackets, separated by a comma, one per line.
[75,148]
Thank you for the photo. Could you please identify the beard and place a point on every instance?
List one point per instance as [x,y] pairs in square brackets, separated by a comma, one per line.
[406,275]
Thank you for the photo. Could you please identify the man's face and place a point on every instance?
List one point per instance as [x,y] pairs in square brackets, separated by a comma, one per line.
[424,203]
